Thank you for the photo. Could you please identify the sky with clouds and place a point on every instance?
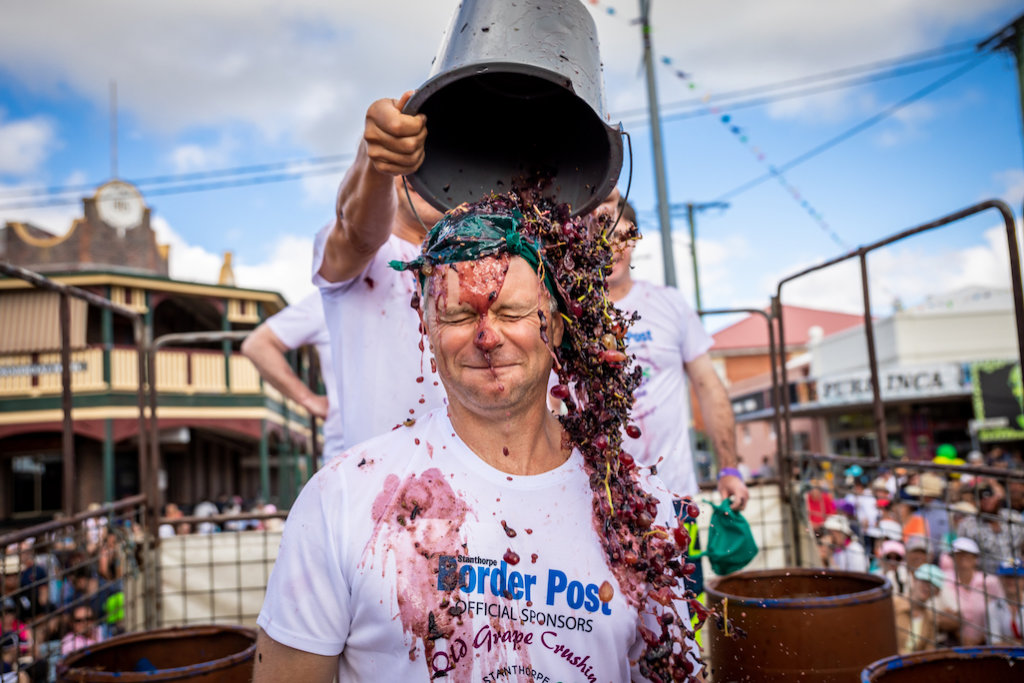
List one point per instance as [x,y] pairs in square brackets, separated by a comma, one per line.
[205,86]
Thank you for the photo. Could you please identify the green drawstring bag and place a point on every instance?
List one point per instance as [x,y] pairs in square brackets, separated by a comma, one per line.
[730,545]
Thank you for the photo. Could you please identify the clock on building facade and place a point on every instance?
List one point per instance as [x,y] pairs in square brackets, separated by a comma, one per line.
[120,205]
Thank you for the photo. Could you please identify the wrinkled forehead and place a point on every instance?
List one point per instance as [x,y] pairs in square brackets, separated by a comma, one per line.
[484,282]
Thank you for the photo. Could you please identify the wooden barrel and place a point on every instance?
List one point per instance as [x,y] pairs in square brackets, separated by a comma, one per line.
[807,625]
[984,664]
[204,654]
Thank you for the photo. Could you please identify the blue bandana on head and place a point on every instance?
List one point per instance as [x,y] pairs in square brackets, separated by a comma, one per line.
[473,235]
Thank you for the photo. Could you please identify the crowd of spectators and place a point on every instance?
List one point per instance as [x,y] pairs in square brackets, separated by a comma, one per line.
[65,590]
[950,544]
[61,592]
[181,520]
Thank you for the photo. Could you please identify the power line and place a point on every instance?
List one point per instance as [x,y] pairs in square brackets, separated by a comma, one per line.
[850,132]
[877,66]
[806,92]
[186,188]
[20,193]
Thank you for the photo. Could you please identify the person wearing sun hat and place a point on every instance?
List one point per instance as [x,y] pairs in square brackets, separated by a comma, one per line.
[918,621]
[1006,613]
[971,589]
[932,517]
[845,551]
[888,562]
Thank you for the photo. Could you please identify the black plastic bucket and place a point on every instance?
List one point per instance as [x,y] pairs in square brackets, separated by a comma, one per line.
[516,91]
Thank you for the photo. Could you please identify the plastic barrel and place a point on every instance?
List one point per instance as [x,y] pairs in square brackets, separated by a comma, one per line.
[807,625]
[204,654]
[954,665]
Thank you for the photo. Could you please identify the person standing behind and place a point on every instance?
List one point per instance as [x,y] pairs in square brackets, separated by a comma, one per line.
[297,325]
[1006,613]
[846,552]
[968,590]
[917,617]
[671,346]
[381,379]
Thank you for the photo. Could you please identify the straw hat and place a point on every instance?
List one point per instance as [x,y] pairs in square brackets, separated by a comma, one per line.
[964,507]
[10,565]
[931,486]
[838,523]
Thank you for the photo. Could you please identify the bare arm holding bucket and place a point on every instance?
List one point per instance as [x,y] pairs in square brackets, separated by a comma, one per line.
[367,204]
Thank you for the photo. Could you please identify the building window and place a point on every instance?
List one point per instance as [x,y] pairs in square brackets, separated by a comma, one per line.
[36,484]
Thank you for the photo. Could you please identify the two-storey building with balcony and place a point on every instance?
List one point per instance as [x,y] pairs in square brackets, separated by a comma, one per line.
[220,429]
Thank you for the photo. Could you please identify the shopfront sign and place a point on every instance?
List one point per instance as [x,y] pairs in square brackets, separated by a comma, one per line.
[896,383]
[998,400]
[39,369]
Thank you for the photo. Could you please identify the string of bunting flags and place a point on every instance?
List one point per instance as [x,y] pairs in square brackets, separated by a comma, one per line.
[741,135]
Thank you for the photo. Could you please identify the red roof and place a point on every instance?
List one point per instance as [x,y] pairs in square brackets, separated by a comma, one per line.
[752,332]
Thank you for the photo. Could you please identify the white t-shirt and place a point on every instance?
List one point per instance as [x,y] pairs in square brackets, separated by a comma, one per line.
[303,323]
[1004,625]
[381,536]
[667,335]
[384,375]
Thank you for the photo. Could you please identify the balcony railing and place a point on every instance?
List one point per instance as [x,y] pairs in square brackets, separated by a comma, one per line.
[179,371]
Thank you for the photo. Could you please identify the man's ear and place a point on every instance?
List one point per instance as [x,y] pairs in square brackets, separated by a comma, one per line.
[556,329]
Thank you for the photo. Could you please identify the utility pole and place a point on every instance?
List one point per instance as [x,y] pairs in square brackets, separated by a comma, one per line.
[691,209]
[113,129]
[664,220]
[1011,39]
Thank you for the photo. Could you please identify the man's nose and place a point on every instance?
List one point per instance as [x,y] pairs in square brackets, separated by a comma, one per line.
[486,338]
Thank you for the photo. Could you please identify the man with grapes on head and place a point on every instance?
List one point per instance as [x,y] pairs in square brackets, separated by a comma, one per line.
[490,540]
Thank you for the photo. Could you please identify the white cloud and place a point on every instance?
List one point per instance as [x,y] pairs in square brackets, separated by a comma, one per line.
[193,157]
[287,270]
[25,144]
[187,261]
[305,70]
[716,261]
[907,272]
[1011,186]
[56,220]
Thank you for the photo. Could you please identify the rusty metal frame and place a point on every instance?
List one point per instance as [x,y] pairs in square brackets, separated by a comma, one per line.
[861,254]
[773,355]
[777,356]
[189,338]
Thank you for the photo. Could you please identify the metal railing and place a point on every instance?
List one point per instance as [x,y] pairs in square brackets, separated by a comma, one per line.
[73,581]
[215,569]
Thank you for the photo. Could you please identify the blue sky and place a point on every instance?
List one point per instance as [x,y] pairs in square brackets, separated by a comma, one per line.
[207,86]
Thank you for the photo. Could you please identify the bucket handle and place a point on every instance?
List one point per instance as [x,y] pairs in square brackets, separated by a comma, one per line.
[622,209]
[629,180]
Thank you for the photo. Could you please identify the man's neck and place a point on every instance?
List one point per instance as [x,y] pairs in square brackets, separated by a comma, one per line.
[523,443]
[618,289]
